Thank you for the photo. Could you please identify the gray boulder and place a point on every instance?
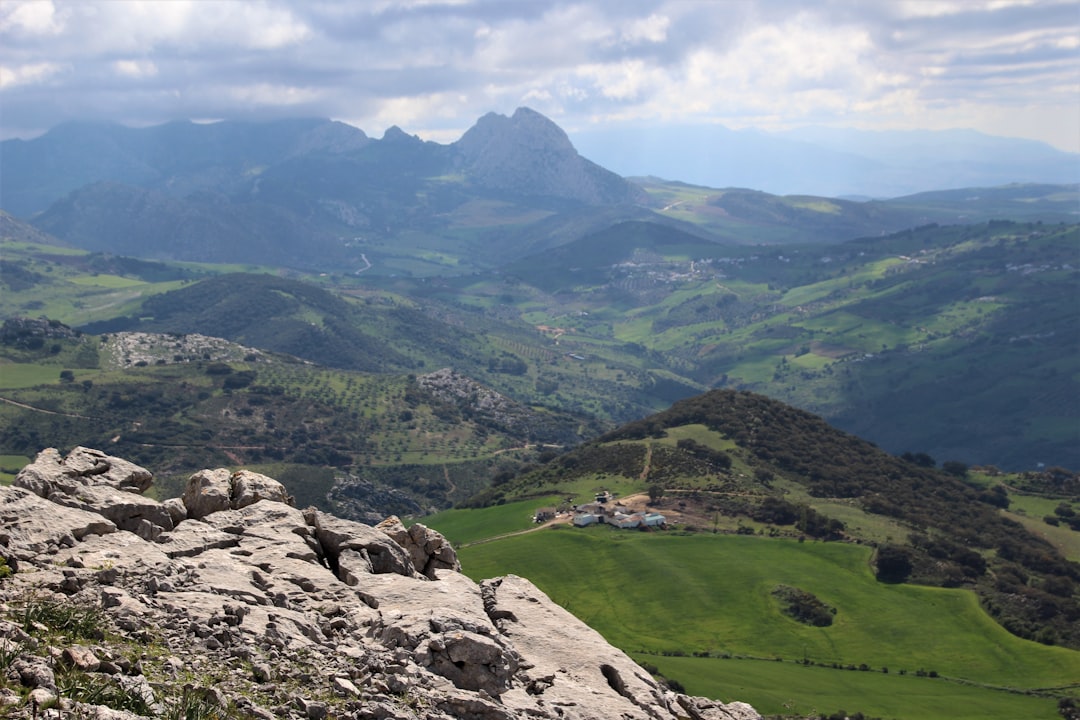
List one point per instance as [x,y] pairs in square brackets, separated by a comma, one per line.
[91,480]
[383,555]
[32,527]
[51,473]
[207,491]
[427,548]
[211,491]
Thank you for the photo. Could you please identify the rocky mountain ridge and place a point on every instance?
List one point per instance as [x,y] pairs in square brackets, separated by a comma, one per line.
[232,599]
[301,193]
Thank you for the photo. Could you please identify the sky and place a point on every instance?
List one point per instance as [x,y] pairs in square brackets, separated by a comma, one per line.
[432,67]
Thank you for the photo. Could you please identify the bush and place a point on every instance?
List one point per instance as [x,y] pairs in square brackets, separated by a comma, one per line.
[893,564]
[804,606]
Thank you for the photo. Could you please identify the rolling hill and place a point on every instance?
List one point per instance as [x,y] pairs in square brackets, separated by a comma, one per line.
[915,571]
[948,340]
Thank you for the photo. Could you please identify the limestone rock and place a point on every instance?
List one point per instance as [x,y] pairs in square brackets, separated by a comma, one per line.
[211,491]
[143,516]
[81,658]
[91,480]
[31,526]
[337,535]
[176,509]
[51,473]
[250,487]
[427,548]
[207,491]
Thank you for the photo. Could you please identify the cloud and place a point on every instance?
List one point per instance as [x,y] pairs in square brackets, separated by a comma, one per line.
[29,19]
[135,68]
[438,65]
[30,74]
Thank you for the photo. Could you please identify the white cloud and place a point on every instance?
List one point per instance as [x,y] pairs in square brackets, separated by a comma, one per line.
[36,17]
[32,74]
[135,68]
[943,8]
[626,80]
[271,95]
[440,64]
[651,29]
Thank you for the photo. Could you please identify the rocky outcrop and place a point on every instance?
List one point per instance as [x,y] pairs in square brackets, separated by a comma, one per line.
[240,601]
[93,481]
[528,154]
[428,549]
[209,491]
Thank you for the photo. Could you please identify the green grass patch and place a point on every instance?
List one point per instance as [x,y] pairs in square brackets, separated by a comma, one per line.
[468,526]
[24,375]
[786,688]
[10,465]
[708,593]
[1065,539]
[106,281]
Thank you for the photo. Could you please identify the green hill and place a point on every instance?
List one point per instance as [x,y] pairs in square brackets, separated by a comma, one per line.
[958,341]
[701,610]
[385,443]
[929,598]
[770,467]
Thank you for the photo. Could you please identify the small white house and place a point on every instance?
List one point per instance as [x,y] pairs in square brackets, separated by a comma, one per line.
[585,519]
[624,521]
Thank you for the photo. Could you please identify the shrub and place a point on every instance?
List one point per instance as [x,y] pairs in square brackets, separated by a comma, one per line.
[893,564]
[804,606]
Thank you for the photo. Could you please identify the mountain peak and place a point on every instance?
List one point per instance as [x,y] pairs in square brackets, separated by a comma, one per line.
[396,134]
[529,154]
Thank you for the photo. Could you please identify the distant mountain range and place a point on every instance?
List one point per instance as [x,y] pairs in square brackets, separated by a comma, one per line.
[321,195]
[827,161]
[295,192]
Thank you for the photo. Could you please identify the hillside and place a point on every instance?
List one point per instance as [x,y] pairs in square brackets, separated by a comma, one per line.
[794,554]
[768,462]
[320,196]
[950,340]
[357,443]
[309,194]
[946,340]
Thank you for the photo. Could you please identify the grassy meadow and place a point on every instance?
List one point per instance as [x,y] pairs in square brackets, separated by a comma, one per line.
[665,598]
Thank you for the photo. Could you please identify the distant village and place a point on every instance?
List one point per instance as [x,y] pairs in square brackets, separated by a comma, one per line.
[605,510]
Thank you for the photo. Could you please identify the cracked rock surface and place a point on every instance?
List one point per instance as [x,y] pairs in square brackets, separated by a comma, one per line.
[231,598]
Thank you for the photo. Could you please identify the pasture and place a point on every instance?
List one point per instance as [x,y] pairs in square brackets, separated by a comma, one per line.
[710,595]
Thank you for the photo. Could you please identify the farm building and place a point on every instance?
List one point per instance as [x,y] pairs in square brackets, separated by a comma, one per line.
[585,519]
[636,520]
[544,514]
[624,521]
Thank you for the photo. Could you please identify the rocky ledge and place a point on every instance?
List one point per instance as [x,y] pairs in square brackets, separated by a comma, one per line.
[230,602]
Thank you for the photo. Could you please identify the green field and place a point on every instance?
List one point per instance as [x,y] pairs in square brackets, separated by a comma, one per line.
[464,527]
[710,595]
[10,466]
[787,688]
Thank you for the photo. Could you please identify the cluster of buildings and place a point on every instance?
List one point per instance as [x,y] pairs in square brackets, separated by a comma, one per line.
[600,512]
